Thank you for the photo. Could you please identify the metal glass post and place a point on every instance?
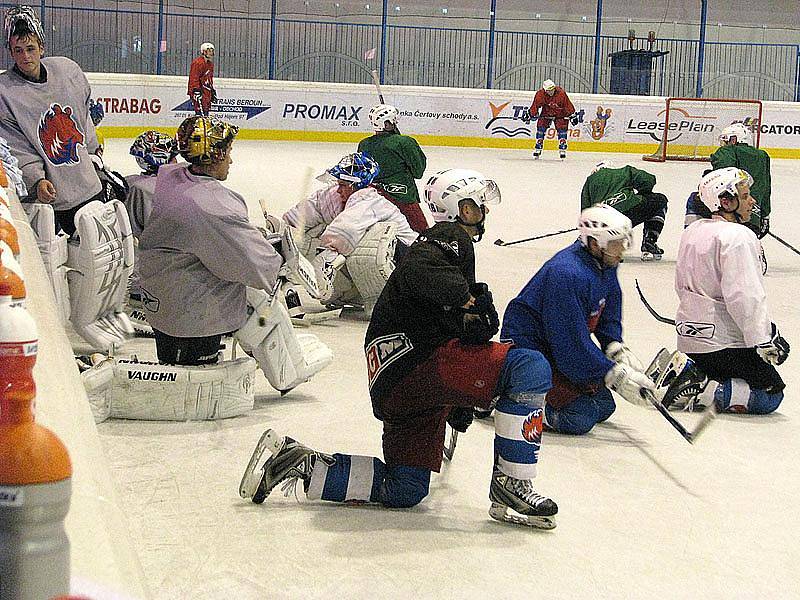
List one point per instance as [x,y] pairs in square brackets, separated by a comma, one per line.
[384,31]
[160,36]
[492,27]
[272,29]
[701,52]
[597,27]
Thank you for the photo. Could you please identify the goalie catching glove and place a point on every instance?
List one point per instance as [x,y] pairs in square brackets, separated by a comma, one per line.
[776,350]
[629,383]
[481,321]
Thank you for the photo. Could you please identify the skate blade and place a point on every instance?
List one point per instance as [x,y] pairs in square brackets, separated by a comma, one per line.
[269,442]
[504,514]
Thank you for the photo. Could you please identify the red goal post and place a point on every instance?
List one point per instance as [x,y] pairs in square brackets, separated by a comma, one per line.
[691,126]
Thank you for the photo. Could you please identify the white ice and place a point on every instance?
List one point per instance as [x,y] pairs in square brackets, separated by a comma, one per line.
[642,514]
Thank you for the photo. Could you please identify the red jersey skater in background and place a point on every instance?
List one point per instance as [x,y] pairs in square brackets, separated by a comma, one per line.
[550,104]
[201,80]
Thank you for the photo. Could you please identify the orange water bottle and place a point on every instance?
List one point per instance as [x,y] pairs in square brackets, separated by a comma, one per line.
[11,273]
[8,231]
[35,471]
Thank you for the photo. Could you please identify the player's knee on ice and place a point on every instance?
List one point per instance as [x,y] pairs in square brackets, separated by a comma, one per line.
[582,414]
[735,395]
[404,487]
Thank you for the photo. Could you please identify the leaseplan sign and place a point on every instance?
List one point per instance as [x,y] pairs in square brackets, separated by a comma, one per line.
[681,122]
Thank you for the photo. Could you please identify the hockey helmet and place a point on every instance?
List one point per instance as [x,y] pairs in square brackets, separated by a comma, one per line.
[722,183]
[204,140]
[548,85]
[604,164]
[380,114]
[153,149]
[357,169]
[22,21]
[445,189]
[736,130]
[605,224]
[206,46]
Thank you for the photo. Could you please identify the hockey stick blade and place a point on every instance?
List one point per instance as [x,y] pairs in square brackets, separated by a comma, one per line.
[650,309]
[450,448]
[500,242]
[650,396]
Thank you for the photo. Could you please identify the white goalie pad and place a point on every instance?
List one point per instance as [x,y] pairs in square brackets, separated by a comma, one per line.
[125,388]
[100,263]
[286,358]
[372,261]
[53,248]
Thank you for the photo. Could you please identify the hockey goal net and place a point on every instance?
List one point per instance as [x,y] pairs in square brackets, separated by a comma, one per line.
[690,127]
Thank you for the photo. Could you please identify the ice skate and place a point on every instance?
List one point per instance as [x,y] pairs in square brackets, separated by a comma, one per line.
[679,383]
[537,149]
[651,251]
[562,149]
[276,459]
[515,501]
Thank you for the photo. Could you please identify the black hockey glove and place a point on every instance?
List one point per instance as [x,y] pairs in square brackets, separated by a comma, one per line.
[481,321]
[764,227]
[776,350]
[460,418]
[213,95]
[573,118]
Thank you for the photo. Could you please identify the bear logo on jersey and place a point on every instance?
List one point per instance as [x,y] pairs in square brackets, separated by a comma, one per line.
[59,135]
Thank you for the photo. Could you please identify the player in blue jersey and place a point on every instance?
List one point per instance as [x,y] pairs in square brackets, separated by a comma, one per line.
[574,296]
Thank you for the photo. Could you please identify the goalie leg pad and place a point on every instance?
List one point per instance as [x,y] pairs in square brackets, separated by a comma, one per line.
[286,358]
[155,392]
[100,263]
[372,262]
[53,248]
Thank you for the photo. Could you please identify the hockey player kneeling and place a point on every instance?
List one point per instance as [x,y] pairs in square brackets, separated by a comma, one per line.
[727,345]
[429,352]
[207,272]
[573,297]
[351,234]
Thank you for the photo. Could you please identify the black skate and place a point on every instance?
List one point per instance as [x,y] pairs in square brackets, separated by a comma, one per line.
[679,382]
[515,501]
[276,459]
[562,149]
[651,251]
[537,149]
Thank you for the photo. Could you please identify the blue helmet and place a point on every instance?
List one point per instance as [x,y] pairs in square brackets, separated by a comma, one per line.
[357,169]
[153,149]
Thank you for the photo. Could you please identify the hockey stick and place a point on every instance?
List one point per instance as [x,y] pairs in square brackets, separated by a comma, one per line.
[377,83]
[784,242]
[450,448]
[650,309]
[651,397]
[499,242]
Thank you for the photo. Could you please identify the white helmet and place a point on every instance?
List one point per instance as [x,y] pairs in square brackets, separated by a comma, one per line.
[604,224]
[719,182]
[548,85]
[380,113]
[206,46]
[604,164]
[445,189]
[736,130]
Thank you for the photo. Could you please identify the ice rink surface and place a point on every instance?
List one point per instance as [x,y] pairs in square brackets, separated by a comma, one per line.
[642,514]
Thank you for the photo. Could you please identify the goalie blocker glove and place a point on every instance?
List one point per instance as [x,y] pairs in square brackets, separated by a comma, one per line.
[629,383]
[481,321]
[776,350]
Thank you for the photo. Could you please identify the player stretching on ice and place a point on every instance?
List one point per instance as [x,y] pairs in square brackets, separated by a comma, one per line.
[401,161]
[551,105]
[428,351]
[722,321]
[630,191]
[575,295]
